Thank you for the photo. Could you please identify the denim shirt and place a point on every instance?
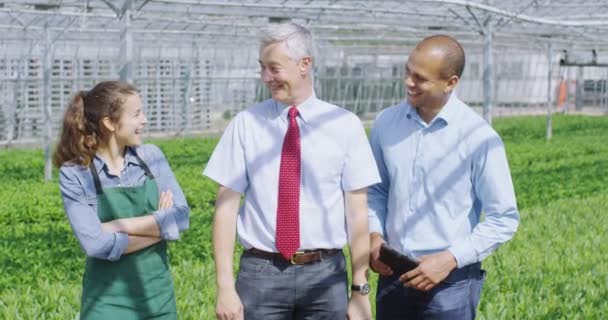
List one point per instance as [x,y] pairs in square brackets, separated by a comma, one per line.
[80,200]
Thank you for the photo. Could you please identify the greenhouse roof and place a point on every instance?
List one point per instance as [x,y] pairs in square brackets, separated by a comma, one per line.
[573,24]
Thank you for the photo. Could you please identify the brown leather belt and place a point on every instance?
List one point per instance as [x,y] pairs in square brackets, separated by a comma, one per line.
[300,257]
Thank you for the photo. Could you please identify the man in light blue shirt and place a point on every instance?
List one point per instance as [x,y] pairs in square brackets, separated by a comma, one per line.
[327,178]
[442,166]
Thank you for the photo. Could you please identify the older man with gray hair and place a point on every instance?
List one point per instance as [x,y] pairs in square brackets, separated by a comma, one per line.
[304,166]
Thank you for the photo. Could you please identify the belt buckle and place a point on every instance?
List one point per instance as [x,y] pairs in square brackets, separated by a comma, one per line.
[298,253]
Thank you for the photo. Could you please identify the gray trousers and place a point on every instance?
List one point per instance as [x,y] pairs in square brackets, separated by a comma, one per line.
[271,288]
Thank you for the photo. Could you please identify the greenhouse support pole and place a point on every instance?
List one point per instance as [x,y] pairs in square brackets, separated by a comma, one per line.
[187,81]
[580,83]
[488,73]
[46,104]
[172,114]
[126,43]
[12,105]
[549,91]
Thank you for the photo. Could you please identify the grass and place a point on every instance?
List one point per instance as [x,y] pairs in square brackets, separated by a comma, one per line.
[553,269]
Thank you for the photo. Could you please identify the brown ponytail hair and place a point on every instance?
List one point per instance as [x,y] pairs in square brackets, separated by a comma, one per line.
[82,129]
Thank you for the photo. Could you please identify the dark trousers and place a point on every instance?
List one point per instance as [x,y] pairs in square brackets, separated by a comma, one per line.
[455,298]
[271,288]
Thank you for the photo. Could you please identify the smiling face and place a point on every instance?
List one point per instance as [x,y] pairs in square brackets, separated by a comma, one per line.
[129,127]
[288,79]
[426,88]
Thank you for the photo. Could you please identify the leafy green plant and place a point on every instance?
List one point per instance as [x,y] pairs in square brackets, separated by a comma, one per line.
[553,268]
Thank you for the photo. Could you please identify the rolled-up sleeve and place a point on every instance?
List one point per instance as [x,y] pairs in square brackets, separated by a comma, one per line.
[84,220]
[175,220]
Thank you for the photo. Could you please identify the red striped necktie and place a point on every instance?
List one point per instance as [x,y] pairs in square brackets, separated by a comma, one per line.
[288,203]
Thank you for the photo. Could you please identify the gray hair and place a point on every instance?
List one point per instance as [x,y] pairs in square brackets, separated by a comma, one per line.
[298,39]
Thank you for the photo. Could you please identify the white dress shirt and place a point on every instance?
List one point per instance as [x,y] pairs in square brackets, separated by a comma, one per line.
[336,157]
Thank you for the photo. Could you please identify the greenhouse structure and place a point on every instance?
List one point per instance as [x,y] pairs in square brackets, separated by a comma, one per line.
[196,61]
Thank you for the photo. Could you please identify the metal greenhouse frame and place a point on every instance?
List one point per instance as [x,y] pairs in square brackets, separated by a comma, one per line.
[195,61]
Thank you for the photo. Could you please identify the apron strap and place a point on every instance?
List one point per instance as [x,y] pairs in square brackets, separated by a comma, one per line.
[97,182]
[98,188]
[144,166]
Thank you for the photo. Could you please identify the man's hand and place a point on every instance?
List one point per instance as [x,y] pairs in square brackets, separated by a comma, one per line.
[376,242]
[432,269]
[228,305]
[359,307]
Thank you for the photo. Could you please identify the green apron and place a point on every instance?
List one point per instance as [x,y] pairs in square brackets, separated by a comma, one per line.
[138,285]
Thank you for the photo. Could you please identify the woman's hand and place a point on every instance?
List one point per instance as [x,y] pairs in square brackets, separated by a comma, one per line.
[166,200]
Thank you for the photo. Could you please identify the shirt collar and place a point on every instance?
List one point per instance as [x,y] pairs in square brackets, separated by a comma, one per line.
[447,114]
[449,110]
[307,110]
[100,163]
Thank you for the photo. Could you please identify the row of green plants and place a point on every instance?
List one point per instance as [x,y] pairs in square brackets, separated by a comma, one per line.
[553,268]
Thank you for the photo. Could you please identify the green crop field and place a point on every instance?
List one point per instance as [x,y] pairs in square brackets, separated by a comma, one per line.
[555,267]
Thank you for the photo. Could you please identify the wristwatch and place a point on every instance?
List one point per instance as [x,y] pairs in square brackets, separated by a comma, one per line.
[362,288]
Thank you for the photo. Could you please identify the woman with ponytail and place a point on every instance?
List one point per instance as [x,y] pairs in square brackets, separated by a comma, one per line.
[123,203]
